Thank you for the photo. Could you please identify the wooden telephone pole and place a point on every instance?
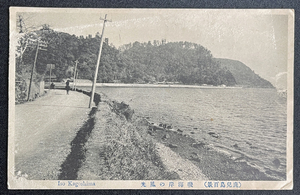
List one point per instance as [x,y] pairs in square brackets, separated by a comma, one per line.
[50,67]
[75,74]
[38,47]
[76,80]
[98,62]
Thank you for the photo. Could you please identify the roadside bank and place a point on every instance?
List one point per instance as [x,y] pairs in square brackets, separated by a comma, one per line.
[119,148]
[116,151]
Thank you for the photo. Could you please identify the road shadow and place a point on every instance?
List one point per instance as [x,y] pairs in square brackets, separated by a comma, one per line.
[72,164]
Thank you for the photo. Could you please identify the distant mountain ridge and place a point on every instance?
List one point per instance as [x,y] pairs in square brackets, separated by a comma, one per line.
[243,75]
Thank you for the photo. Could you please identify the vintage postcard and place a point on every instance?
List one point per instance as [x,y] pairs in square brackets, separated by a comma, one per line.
[151,99]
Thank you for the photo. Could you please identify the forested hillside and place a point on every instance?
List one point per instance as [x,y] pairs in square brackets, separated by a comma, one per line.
[243,75]
[63,49]
[183,62]
[151,62]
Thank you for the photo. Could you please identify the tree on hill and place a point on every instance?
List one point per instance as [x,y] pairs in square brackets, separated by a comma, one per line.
[183,62]
[148,62]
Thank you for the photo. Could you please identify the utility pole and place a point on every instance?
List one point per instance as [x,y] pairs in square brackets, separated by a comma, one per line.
[50,67]
[76,80]
[98,62]
[50,76]
[34,63]
[20,24]
[36,53]
[75,74]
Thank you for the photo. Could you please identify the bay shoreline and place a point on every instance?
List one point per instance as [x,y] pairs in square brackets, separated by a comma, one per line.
[136,85]
[213,164]
[113,143]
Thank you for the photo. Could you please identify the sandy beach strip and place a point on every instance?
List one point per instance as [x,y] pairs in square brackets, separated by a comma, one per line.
[137,85]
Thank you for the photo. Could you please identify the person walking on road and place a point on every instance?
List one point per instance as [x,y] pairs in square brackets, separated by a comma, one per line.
[68,86]
[52,86]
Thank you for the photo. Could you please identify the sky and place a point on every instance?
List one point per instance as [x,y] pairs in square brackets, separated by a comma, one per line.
[258,38]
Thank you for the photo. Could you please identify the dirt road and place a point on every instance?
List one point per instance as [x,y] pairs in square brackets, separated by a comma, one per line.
[44,130]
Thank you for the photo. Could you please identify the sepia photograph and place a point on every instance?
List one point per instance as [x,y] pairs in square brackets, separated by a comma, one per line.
[150,98]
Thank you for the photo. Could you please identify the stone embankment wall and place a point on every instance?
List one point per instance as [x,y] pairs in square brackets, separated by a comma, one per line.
[97,96]
[22,88]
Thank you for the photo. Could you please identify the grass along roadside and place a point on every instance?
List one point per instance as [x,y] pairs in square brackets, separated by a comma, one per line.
[116,150]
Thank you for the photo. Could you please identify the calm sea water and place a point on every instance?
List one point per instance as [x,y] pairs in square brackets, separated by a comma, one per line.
[251,123]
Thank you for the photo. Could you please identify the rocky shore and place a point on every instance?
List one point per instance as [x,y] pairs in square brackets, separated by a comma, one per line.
[119,148]
[124,146]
